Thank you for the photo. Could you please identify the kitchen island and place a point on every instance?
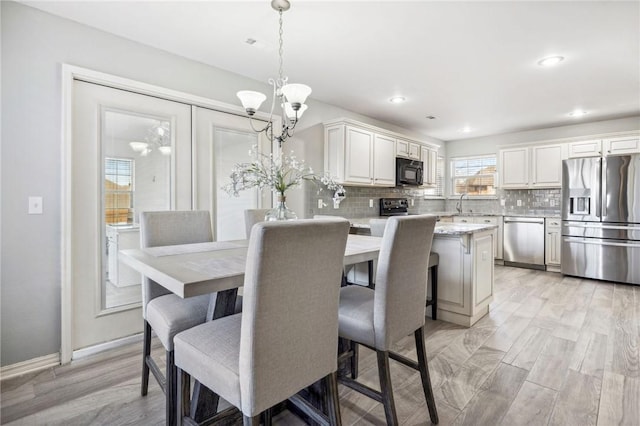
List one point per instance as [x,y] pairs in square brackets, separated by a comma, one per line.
[465,271]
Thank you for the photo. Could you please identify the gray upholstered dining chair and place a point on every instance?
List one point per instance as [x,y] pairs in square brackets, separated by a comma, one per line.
[282,342]
[164,312]
[377,230]
[253,216]
[379,318]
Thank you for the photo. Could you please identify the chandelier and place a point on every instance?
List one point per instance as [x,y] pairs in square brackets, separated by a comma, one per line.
[158,136]
[291,97]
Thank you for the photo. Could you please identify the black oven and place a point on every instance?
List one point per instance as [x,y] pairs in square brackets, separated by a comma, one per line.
[408,172]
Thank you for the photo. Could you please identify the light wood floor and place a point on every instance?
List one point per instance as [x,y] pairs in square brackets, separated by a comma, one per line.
[553,350]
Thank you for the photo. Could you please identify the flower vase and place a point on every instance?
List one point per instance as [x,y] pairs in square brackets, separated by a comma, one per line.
[281,211]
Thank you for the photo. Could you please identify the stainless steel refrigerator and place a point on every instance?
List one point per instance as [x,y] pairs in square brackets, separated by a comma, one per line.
[601,218]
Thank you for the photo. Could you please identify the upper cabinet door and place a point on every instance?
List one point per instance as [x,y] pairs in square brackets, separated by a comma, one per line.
[407,149]
[621,145]
[358,156]
[546,167]
[384,166]
[514,168]
[591,148]
[429,158]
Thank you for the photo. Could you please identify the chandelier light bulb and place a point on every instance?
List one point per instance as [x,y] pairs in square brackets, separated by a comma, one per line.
[550,61]
[296,94]
[251,100]
[291,113]
[138,146]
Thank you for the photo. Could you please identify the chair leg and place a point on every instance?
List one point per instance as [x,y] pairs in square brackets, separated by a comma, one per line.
[267,416]
[183,385]
[434,292]
[171,392]
[333,401]
[386,389]
[146,352]
[424,375]
[354,359]
[251,421]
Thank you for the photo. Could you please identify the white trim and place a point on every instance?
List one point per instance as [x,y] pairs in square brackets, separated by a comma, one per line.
[571,139]
[101,347]
[69,74]
[29,366]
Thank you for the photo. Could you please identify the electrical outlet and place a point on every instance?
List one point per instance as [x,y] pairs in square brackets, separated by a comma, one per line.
[336,204]
[370,203]
[503,202]
[35,205]
[519,203]
[552,203]
[412,202]
[320,203]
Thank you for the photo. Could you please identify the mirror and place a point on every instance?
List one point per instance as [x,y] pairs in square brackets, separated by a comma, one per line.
[137,153]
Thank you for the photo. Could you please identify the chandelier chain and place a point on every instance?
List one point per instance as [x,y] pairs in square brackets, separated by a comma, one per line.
[280,50]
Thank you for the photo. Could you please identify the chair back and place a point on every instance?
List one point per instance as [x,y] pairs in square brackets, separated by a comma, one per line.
[253,216]
[377,227]
[289,333]
[401,278]
[168,228]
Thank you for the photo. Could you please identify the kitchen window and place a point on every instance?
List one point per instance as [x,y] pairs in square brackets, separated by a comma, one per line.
[474,176]
[438,190]
[118,190]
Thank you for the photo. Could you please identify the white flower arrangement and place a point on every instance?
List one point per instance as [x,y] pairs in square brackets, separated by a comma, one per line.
[278,173]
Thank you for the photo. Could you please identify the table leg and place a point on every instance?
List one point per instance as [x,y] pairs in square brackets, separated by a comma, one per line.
[204,402]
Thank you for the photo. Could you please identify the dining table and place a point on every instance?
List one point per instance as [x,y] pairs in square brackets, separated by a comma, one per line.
[217,268]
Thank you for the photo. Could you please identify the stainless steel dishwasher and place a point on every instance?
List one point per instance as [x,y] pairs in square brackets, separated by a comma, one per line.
[524,242]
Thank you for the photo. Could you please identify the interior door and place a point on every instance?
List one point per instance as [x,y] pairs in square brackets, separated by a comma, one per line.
[223,140]
[130,153]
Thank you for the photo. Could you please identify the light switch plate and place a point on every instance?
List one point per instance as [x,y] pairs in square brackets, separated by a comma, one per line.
[519,203]
[320,203]
[371,203]
[35,205]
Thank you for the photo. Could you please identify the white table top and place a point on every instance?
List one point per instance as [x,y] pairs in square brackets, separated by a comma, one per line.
[194,269]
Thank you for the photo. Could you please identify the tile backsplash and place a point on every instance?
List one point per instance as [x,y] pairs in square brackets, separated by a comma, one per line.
[356,204]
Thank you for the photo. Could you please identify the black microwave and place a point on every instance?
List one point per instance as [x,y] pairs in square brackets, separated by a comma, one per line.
[408,172]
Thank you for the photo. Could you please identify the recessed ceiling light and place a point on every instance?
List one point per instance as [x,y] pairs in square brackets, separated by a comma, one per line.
[466,129]
[430,117]
[250,41]
[397,100]
[577,113]
[550,61]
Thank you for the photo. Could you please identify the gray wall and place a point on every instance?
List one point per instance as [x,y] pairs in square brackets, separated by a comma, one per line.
[34,45]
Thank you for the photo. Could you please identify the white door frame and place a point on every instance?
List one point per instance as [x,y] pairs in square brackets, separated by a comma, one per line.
[69,74]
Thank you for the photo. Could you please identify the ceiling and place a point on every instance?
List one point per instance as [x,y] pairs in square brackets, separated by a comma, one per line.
[466,63]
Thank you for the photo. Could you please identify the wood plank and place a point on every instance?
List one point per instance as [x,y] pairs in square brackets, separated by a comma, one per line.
[491,403]
[462,347]
[589,354]
[619,401]
[577,401]
[552,365]
[532,406]
[526,352]
[508,333]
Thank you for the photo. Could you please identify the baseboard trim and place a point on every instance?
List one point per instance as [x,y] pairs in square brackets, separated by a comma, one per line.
[101,347]
[29,366]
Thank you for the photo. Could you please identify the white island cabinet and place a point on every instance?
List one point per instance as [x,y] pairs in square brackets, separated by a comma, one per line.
[465,272]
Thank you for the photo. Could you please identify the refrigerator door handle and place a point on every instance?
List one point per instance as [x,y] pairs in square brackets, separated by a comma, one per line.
[598,242]
[602,226]
[603,188]
[599,195]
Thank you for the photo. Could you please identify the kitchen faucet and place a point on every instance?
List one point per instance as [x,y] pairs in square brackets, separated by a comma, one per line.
[459,203]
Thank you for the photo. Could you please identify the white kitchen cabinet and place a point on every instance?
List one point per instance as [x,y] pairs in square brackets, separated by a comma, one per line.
[384,171]
[589,148]
[546,166]
[407,149]
[121,237]
[465,284]
[358,156]
[487,220]
[532,167]
[621,145]
[552,244]
[514,168]
[429,158]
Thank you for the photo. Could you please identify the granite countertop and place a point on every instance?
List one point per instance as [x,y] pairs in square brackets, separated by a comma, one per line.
[520,214]
[441,228]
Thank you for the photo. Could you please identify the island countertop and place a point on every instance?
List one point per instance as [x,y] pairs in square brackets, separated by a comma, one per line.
[441,228]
